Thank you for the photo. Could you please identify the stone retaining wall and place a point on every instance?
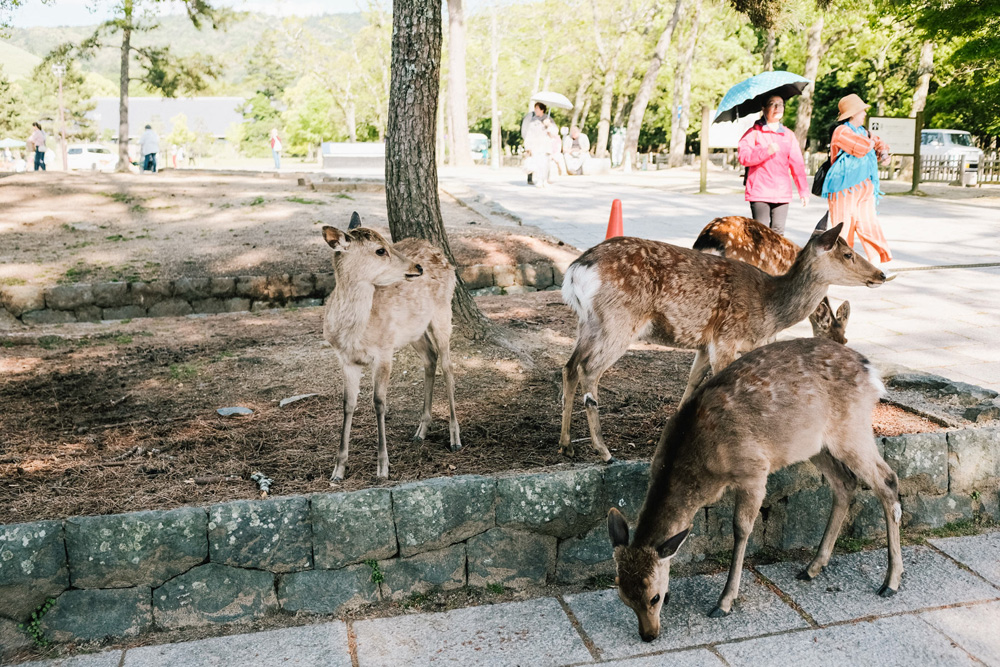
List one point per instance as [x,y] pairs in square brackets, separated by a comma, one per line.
[83,302]
[123,574]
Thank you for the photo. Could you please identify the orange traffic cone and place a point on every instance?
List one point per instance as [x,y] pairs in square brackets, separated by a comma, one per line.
[615,221]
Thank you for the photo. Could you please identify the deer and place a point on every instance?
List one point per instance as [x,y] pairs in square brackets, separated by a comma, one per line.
[386,296]
[627,288]
[802,399]
[750,241]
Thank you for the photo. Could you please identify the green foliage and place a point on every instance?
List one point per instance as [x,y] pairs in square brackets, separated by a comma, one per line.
[853,544]
[180,135]
[182,372]
[495,589]
[12,109]
[33,628]
[377,576]
[261,116]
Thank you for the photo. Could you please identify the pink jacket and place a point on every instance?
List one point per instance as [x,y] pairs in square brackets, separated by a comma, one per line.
[767,175]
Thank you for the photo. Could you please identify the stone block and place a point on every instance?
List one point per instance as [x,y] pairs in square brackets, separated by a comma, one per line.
[350,528]
[111,295]
[21,299]
[170,308]
[211,594]
[325,282]
[983,412]
[476,276]
[84,615]
[441,570]
[36,317]
[271,534]
[719,529]
[123,313]
[973,460]
[13,640]
[625,485]
[236,305]
[866,518]
[136,549]
[327,591]
[302,285]
[254,287]
[435,513]
[977,552]
[967,394]
[920,460]
[308,303]
[791,479]
[280,288]
[561,504]
[925,382]
[505,275]
[922,511]
[148,294]
[537,275]
[190,289]
[581,559]
[88,314]
[511,558]
[69,297]
[488,291]
[222,287]
[8,321]
[800,520]
[211,306]
[32,566]
[519,289]
[559,272]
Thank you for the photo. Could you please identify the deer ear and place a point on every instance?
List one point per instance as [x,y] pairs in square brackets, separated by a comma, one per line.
[823,315]
[670,547]
[355,221]
[844,312]
[828,239]
[336,239]
[617,528]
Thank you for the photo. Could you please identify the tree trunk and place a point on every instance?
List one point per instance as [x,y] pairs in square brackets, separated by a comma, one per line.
[768,64]
[496,142]
[814,51]
[350,117]
[124,161]
[926,68]
[682,93]
[607,96]
[581,92]
[457,95]
[647,87]
[411,181]
[586,112]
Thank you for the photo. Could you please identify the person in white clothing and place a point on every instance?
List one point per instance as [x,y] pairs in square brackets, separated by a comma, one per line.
[37,140]
[149,146]
[275,147]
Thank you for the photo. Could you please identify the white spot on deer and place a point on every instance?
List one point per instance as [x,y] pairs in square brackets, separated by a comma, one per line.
[579,288]
[875,380]
[897,512]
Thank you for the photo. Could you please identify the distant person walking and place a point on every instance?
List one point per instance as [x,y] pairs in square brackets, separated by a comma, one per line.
[37,140]
[537,144]
[275,148]
[769,151]
[149,146]
[576,149]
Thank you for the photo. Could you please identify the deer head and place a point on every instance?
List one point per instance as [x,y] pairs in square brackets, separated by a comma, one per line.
[826,324]
[365,256]
[643,574]
[838,264]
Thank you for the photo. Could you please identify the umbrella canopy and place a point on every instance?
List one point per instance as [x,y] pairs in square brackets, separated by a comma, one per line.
[748,97]
[11,143]
[548,98]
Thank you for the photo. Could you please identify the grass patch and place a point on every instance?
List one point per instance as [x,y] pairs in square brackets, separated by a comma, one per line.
[602,581]
[344,196]
[853,544]
[12,282]
[183,371]
[115,237]
[120,197]
[303,200]
[66,227]
[75,274]
[33,628]
[964,527]
[495,589]
[256,201]
[377,576]
[50,342]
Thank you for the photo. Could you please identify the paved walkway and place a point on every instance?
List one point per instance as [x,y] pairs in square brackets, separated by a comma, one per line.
[940,315]
[947,612]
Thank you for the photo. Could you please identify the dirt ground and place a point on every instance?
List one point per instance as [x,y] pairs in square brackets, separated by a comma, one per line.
[83,227]
[123,418]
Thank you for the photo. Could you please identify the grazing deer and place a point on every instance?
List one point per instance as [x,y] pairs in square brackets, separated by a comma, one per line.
[628,288]
[749,241]
[807,398]
[388,295]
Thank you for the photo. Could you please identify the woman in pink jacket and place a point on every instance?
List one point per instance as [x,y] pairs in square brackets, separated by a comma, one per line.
[769,151]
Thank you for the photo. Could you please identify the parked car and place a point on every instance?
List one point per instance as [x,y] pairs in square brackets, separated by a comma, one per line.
[954,144]
[479,144]
[92,157]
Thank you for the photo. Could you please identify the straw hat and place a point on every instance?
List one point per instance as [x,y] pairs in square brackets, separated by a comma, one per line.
[850,105]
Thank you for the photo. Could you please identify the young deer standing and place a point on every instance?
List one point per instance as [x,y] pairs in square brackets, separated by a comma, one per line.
[388,295]
[808,398]
[749,241]
[626,288]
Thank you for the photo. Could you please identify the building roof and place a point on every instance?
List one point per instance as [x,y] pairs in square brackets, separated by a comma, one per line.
[204,114]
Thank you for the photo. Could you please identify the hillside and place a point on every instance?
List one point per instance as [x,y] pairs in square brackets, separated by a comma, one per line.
[16,61]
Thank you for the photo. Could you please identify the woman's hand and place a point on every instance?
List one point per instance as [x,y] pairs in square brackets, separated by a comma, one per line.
[805,201]
[772,148]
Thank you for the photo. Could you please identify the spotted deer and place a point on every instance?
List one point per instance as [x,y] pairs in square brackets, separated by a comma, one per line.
[797,400]
[388,295]
[749,241]
[628,288]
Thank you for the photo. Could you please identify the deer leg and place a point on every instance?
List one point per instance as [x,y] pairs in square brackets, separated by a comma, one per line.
[429,357]
[699,369]
[380,378]
[843,484]
[352,384]
[592,368]
[571,378]
[449,384]
[748,502]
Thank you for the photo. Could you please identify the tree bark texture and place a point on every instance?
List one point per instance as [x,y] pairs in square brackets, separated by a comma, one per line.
[607,96]
[814,52]
[682,92]
[411,181]
[578,99]
[457,94]
[648,85]
[768,55]
[924,71]
[124,161]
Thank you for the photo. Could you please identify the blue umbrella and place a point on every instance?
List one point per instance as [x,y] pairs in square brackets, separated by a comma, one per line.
[748,97]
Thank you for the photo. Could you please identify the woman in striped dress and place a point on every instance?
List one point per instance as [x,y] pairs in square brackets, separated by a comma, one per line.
[852,186]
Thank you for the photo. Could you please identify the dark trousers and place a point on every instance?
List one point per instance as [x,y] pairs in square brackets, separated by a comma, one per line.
[772,215]
[39,160]
[149,164]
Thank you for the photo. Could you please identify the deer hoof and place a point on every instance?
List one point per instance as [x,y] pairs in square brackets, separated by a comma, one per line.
[804,576]
[718,613]
[886,592]
[610,461]
[567,451]
[417,439]
[455,447]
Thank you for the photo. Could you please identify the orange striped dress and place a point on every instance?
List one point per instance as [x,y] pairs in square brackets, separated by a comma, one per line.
[855,206]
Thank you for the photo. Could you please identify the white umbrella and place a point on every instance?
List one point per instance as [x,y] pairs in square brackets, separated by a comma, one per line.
[551,99]
[11,143]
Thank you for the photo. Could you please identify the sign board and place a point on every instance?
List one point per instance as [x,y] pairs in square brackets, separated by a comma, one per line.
[727,135]
[897,132]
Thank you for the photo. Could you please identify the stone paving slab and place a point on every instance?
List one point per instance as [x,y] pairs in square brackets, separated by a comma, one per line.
[108,659]
[684,620]
[536,632]
[699,657]
[902,641]
[310,645]
[973,628]
[848,588]
[979,552]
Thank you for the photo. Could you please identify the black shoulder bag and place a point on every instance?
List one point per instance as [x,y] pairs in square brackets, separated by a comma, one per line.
[820,177]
